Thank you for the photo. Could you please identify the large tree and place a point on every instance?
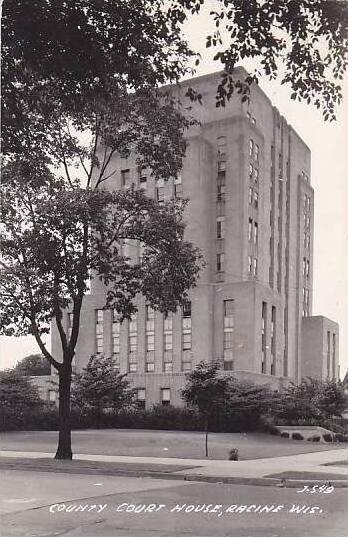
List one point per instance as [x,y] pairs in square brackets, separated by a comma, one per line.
[54,236]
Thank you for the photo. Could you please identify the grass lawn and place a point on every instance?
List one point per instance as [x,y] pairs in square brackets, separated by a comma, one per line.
[146,443]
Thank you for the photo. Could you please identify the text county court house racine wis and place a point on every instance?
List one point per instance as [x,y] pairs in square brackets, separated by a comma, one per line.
[247,176]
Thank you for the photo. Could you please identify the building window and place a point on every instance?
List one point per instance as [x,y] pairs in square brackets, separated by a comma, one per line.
[256,233]
[257,152]
[168,341]
[165,396]
[256,175]
[221,146]
[160,194]
[250,197]
[168,322]
[187,366]
[141,397]
[307,268]
[263,337]
[150,319]
[221,166]
[132,343]
[142,175]
[99,331]
[52,396]
[168,367]
[228,334]
[178,191]
[333,355]
[250,229]
[187,342]
[221,188]
[150,367]
[186,326]
[186,309]
[125,178]
[255,266]
[251,148]
[251,171]
[150,342]
[115,329]
[220,262]
[256,199]
[250,264]
[273,339]
[220,227]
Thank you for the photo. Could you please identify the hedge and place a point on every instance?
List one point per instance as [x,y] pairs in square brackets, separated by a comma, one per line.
[158,418]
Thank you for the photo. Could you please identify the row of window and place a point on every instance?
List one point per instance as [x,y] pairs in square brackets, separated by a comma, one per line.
[228,334]
[159,184]
[149,339]
[220,198]
[141,397]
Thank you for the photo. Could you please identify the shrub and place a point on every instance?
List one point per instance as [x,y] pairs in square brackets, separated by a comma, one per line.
[314,438]
[297,436]
[284,434]
[339,437]
[327,437]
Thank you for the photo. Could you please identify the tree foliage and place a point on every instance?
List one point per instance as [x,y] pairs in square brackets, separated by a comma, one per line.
[247,401]
[18,399]
[33,365]
[303,43]
[100,388]
[311,401]
[207,391]
[55,236]
[67,54]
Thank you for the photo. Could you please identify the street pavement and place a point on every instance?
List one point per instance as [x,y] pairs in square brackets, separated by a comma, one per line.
[39,504]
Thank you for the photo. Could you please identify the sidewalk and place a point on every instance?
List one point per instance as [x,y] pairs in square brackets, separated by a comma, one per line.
[259,472]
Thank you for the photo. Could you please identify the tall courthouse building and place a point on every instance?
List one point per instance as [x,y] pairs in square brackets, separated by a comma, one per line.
[247,176]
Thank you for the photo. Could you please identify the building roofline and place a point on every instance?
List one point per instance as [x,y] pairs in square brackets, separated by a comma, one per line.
[238,69]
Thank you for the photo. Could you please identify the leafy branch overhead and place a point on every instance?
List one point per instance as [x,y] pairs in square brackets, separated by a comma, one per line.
[303,43]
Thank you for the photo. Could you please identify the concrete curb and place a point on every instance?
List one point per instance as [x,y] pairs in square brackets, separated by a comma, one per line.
[233,480]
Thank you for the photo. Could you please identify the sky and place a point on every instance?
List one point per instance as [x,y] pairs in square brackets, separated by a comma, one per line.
[329,148]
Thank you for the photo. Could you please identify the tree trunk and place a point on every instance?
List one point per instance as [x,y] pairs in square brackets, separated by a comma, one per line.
[64,442]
